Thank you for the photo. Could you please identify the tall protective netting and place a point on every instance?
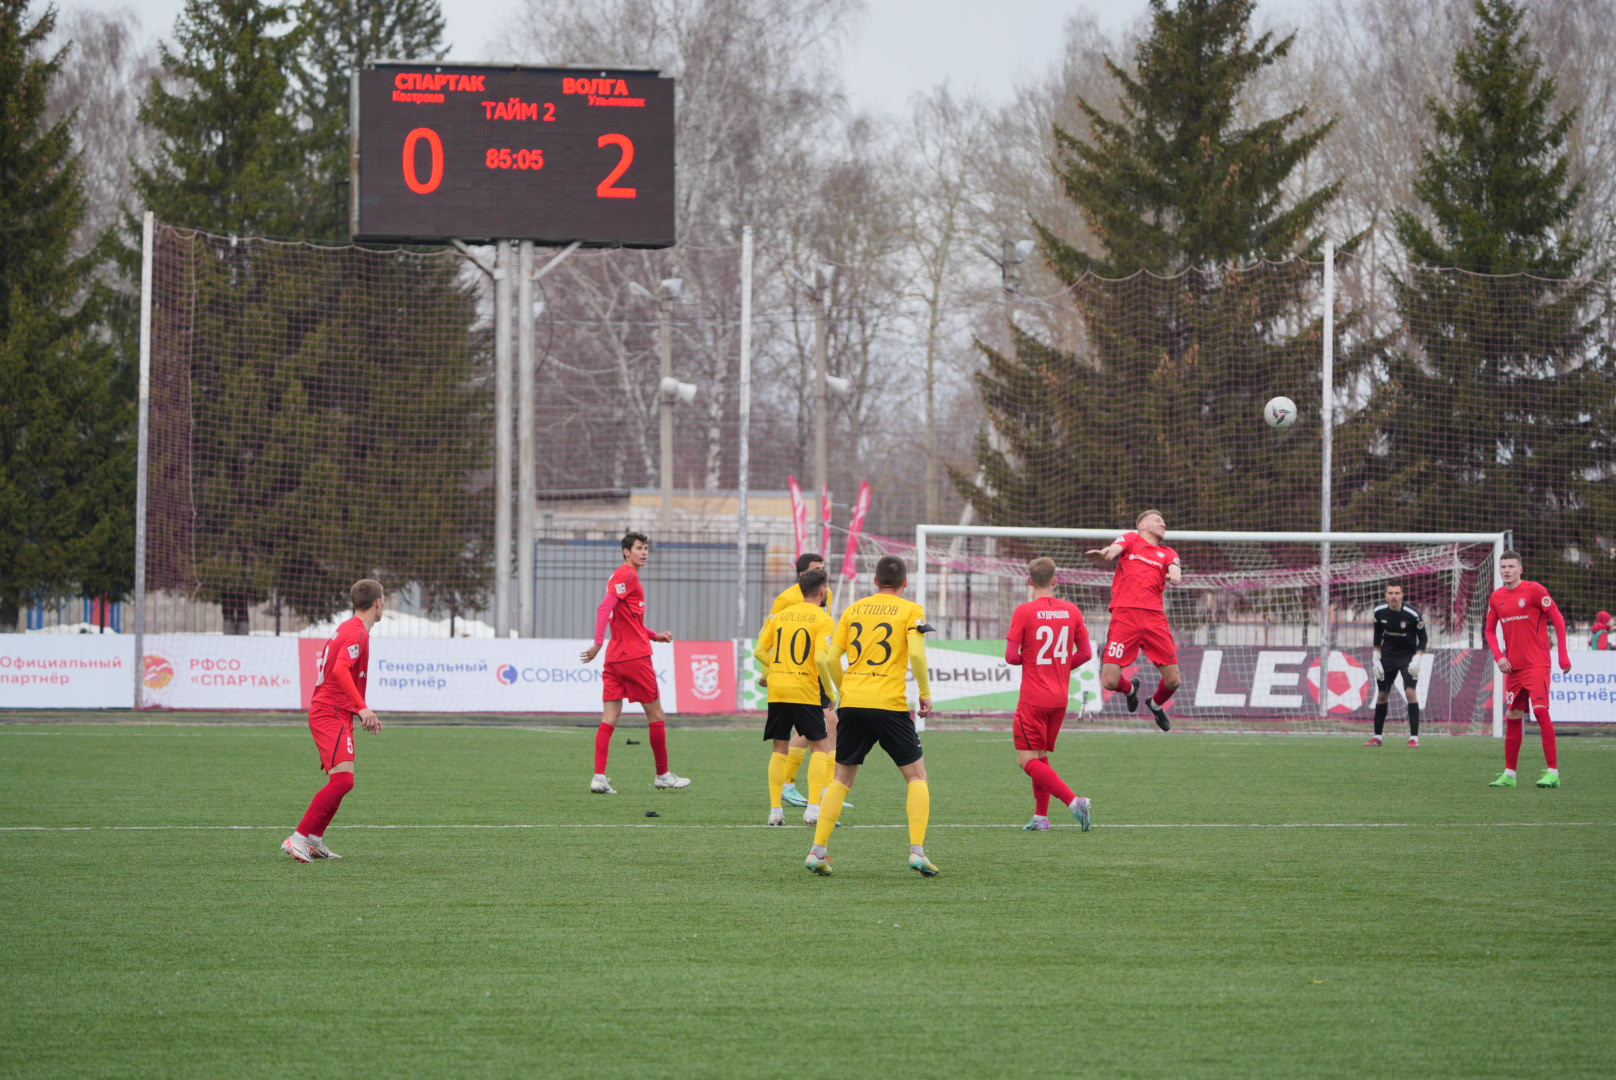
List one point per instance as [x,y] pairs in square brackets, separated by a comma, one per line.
[1273,632]
[317,415]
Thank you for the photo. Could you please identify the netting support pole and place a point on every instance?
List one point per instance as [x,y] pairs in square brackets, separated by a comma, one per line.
[920,565]
[142,452]
[502,439]
[1327,421]
[526,476]
[743,480]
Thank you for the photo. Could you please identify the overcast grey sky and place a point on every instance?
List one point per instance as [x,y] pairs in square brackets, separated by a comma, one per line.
[899,48]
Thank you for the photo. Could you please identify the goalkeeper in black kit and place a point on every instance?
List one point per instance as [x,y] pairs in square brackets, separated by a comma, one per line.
[1399,643]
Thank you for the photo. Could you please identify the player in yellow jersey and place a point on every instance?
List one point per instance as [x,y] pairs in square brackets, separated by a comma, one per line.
[797,749]
[795,645]
[883,638]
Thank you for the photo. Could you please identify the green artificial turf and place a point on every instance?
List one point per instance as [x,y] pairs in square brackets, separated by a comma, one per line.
[1246,906]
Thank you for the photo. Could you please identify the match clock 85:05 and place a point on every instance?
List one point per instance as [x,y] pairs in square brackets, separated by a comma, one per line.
[484,152]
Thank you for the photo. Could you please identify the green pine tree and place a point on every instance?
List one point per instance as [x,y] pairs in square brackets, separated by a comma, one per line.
[1498,414]
[231,158]
[344,36]
[1161,405]
[66,467]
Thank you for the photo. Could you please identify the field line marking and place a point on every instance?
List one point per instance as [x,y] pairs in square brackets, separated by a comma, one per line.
[663,825]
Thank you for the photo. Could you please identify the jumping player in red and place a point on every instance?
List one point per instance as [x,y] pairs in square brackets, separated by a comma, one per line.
[629,672]
[1524,609]
[339,696]
[1047,639]
[1138,616]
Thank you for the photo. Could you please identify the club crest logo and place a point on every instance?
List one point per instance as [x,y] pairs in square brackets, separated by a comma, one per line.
[1521,602]
[158,673]
[704,672]
[1546,601]
[622,588]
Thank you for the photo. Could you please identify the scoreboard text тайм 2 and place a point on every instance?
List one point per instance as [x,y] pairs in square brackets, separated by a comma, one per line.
[476,152]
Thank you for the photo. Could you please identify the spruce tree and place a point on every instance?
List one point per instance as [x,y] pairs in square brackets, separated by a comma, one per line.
[1498,413]
[344,36]
[66,470]
[231,157]
[1161,404]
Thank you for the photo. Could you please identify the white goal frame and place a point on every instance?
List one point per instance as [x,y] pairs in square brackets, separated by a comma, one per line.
[1500,542]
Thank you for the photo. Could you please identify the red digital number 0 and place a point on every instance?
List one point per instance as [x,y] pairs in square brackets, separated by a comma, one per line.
[605,189]
[411,177]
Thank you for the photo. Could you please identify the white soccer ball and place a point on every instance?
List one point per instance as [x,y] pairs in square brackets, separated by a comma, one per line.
[1280,412]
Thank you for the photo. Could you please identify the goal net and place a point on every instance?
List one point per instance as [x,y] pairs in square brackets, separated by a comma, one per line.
[1274,630]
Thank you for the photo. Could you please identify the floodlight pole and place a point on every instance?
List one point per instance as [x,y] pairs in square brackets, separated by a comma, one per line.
[502,439]
[665,353]
[143,452]
[1327,420]
[743,479]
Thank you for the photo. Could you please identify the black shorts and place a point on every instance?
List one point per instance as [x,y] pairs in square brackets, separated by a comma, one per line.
[1394,666]
[858,730]
[786,716]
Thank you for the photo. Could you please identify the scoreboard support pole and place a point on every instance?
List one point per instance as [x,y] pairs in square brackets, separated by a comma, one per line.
[502,438]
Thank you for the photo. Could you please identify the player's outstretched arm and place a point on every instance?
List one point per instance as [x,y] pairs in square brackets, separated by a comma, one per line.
[1175,573]
[1108,553]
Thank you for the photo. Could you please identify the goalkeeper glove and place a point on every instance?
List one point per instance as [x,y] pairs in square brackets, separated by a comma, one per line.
[1380,672]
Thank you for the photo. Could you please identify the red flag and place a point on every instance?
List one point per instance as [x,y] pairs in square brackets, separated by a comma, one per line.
[854,528]
[824,517]
[799,513]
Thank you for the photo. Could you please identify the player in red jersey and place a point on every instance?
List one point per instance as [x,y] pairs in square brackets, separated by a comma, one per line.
[1145,567]
[629,671]
[1047,639]
[1524,609]
[339,696]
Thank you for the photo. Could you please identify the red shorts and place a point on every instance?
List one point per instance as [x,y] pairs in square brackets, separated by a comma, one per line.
[1133,629]
[1523,688]
[1037,726]
[633,679]
[333,734]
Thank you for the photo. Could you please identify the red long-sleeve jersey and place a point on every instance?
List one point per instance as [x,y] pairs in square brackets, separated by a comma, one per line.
[344,663]
[1525,612]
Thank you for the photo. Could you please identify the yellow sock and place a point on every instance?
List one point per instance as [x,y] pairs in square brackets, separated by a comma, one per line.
[820,771]
[829,811]
[777,778]
[919,811]
[794,763]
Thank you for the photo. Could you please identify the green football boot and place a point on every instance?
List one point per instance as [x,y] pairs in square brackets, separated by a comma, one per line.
[1504,780]
[923,864]
[1550,778]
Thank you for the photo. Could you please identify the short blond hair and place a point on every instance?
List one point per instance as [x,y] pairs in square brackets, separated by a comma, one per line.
[1144,514]
[1041,572]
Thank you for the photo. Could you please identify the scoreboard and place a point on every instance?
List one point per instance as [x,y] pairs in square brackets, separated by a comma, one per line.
[481,152]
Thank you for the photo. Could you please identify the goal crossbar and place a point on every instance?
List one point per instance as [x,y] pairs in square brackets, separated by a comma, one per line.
[1498,541]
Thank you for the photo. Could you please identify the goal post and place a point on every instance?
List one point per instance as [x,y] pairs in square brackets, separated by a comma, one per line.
[1255,643]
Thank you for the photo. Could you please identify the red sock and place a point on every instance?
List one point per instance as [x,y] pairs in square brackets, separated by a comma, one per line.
[323,807]
[1512,742]
[1123,685]
[1162,694]
[659,746]
[1040,799]
[603,746]
[1045,777]
[1551,756]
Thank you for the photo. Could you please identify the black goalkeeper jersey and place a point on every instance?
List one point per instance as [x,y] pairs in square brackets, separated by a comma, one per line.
[1399,633]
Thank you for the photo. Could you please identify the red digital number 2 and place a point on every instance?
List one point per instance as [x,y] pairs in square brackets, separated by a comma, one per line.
[605,188]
